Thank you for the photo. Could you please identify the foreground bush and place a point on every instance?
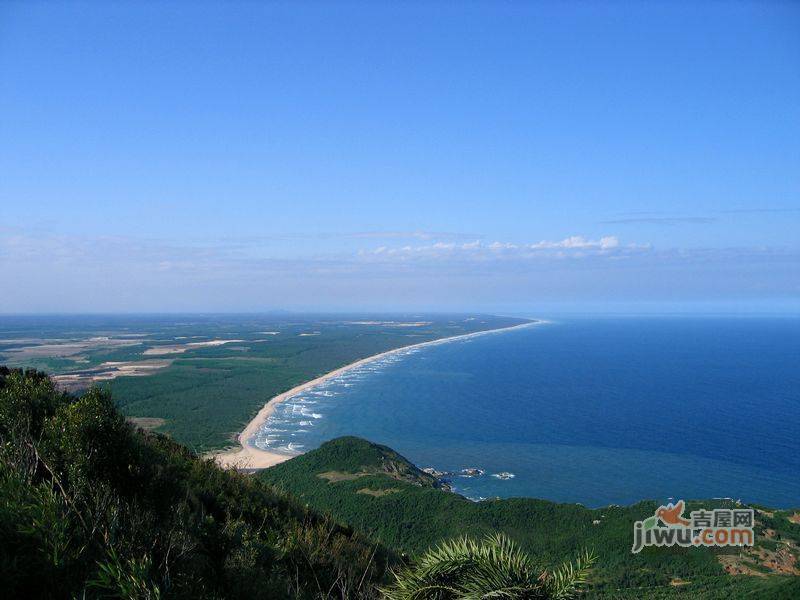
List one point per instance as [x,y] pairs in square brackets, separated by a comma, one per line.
[493,568]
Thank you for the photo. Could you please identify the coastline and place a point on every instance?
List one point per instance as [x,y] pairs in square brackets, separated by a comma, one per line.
[248,456]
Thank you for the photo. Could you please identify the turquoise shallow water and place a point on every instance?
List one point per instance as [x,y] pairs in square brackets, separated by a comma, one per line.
[593,411]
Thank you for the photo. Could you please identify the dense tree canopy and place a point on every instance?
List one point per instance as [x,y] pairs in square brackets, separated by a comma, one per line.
[91,507]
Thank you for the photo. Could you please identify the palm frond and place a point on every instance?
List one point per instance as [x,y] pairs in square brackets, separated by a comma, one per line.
[494,568]
[565,582]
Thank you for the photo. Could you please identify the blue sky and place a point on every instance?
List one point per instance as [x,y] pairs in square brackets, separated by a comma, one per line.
[384,156]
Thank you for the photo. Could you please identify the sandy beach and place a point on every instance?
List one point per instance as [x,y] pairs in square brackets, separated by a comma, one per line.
[248,456]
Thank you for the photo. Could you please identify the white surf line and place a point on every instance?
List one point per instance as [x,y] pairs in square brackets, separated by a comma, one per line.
[251,456]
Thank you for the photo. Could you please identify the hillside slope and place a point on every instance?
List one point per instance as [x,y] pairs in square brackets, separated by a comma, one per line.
[92,508]
[376,490]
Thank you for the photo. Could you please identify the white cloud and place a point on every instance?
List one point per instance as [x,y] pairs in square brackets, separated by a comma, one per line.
[574,246]
[577,241]
[126,273]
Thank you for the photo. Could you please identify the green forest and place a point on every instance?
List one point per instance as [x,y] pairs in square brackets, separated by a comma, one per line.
[91,507]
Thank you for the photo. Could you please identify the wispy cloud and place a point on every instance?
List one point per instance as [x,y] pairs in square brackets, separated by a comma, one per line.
[352,235]
[574,246]
[119,254]
[114,272]
[760,210]
[661,221]
[661,218]
[417,235]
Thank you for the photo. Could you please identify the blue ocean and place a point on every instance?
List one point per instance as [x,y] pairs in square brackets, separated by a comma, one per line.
[595,411]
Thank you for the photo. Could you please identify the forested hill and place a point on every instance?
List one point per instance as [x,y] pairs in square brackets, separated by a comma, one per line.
[91,507]
[379,492]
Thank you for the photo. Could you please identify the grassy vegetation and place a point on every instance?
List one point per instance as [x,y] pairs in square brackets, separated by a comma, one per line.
[417,515]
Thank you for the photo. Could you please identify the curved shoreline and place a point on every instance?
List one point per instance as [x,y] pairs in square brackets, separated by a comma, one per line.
[248,456]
